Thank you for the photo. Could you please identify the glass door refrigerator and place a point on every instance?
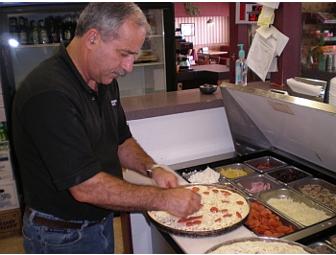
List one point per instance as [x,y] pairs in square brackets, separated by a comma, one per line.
[32,32]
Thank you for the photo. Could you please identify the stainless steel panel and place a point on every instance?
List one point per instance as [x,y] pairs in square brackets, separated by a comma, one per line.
[298,126]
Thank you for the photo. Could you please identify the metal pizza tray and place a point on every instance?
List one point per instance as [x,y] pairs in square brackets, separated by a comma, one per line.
[258,239]
[202,233]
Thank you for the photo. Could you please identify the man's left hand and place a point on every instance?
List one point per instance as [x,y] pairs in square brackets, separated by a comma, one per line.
[164,178]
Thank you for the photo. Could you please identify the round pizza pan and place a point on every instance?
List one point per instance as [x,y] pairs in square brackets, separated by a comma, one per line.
[260,239]
[204,233]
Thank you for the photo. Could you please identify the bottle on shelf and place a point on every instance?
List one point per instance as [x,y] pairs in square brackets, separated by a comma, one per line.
[67,28]
[51,29]
[241,68]
[34,35]
[43,34]
[13,28]
[23,33]
[59,29]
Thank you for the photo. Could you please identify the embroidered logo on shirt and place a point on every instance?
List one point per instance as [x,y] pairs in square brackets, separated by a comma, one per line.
[114,102]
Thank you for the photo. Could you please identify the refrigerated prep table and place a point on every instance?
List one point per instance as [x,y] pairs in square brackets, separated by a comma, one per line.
[261,123]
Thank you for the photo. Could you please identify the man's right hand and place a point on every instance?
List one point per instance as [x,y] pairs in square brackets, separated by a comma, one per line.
[181,202]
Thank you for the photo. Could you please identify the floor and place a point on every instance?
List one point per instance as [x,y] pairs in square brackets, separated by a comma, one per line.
[14,244]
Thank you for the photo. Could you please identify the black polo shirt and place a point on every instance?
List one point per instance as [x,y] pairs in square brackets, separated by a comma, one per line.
[64,133]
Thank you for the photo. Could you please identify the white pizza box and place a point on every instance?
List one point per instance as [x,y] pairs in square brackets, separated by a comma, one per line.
[8,195]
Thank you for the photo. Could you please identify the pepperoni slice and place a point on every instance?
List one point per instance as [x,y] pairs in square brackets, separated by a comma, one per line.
[189,219]
[218,220]
[239,215]
[240,202]
[215,190]
[225,201]
[191,223]
[206,193]
[225,193]
[227,215]
[195,189]
[214,209]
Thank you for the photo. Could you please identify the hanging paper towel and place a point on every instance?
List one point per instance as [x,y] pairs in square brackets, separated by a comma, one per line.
[304,88]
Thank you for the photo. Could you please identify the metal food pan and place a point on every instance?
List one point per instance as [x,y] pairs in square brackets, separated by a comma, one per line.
[226,172]
[265,164]
[285,193]
[332,241]
[267,231]
[322,248]
[320,190]
[255,184]
[288,174]
[187,173]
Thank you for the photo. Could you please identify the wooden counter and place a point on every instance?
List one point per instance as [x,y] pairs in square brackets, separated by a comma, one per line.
[164,103]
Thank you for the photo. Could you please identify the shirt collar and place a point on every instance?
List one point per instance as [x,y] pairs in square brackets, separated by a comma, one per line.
[67,59]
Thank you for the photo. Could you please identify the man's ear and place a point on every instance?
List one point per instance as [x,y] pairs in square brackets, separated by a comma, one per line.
[91,38]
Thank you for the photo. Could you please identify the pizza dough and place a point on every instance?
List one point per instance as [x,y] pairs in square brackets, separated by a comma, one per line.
[259,247]
[222,208]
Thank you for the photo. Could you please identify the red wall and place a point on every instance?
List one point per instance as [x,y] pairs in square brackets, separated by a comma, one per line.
[206,9]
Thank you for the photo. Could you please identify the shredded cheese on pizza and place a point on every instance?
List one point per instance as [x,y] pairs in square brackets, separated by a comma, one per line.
[221,208]
[259,247]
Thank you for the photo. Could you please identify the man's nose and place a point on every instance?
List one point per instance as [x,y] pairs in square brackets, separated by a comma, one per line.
[127,63]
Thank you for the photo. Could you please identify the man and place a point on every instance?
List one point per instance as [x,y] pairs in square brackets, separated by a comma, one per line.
[71,139]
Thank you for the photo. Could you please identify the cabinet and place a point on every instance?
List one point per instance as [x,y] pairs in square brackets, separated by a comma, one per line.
[318,46]
[153,71]
[148,74]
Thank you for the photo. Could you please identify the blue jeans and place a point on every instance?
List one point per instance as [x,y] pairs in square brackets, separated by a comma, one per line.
[97,238]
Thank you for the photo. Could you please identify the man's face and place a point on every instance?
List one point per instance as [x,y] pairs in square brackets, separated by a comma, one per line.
[115,57]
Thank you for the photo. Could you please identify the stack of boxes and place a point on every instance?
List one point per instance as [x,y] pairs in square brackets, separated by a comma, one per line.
[10,213]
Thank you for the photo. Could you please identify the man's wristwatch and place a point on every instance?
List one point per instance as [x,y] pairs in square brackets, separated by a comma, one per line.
[149,171]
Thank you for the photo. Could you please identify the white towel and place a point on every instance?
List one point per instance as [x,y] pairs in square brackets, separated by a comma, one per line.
[304,88]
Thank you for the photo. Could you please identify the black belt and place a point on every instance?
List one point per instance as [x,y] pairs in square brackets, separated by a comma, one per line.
[60,224]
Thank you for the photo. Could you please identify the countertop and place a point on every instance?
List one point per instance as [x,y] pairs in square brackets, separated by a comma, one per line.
[211,68]
[165,103]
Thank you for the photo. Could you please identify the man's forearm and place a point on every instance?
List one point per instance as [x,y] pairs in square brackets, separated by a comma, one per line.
[109,192]
[132,156]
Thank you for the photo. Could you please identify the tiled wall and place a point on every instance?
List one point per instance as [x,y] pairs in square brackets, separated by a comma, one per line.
[210,35]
